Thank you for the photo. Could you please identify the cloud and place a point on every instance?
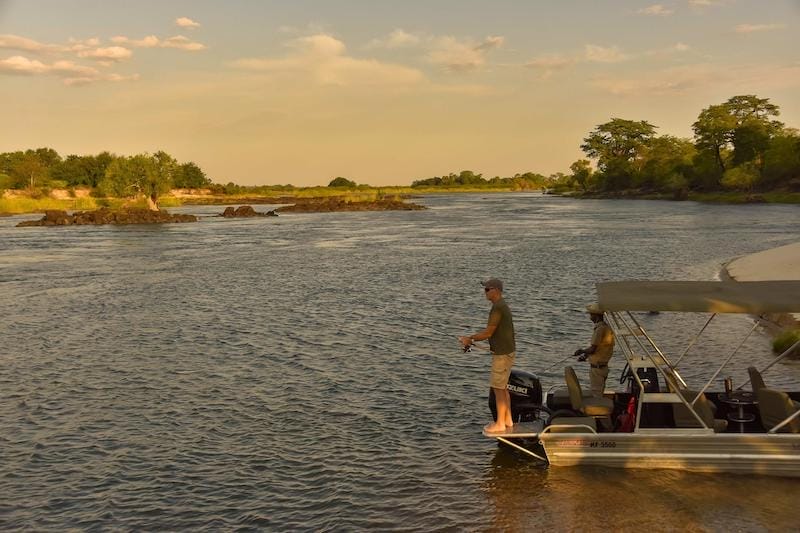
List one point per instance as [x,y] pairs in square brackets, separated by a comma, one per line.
[398,38]
[692,78]
[705,3]
[600,54]
[16,42]
[462,56]
[324,58]
[151,41]
[186,22]
[108,54]
[656,10]
[549,64]
[72,73]
[752,28]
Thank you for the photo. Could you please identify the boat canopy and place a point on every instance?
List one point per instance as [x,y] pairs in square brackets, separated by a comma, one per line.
[751,297]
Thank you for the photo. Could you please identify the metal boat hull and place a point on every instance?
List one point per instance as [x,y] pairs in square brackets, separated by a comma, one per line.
[747,453]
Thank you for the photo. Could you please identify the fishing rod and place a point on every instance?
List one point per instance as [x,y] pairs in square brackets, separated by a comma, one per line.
[466,349]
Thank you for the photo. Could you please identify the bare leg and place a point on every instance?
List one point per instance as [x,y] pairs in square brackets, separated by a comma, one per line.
[509,420]
[503,414]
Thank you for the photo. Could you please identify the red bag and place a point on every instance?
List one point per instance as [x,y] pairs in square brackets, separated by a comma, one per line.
[627,421]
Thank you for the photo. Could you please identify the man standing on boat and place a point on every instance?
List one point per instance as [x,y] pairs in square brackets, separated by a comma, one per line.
[500,332]
[600,351]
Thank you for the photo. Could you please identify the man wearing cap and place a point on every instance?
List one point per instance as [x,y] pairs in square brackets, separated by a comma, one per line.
[599,353]
[500,332]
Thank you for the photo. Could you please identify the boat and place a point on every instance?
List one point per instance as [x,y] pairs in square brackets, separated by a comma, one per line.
[659,421]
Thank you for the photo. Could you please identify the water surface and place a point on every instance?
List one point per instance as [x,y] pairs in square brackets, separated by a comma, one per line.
[302,372]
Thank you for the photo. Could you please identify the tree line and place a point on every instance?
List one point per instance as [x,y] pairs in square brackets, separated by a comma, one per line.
[737,145]
[147,174]
[467,178]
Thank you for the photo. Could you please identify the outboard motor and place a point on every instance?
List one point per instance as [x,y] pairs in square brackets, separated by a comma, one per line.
[525,390]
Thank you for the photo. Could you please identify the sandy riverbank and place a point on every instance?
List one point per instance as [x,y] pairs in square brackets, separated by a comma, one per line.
[782,263]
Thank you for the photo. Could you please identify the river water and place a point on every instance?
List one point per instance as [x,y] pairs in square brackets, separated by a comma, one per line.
[302,372]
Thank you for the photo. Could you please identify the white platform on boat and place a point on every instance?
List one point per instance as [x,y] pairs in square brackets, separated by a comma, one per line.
[520,430]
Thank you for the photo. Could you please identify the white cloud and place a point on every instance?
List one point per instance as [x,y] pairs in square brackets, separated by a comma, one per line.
[108,54]
[705,3]
[752,28]
[72,73]
[324,58]
[656,10]
[16,42]
[462,56]
[186,22]
[151,41]
[398,38]
[600,54]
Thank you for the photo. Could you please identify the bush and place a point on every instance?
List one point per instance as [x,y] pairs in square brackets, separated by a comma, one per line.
[785,340]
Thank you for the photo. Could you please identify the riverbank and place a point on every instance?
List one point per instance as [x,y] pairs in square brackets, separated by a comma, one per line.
[721,197]
[782,263]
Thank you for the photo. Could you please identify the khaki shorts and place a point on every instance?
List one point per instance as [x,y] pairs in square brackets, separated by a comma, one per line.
[501,369]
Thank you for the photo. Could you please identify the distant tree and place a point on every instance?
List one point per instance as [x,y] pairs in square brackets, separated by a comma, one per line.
[581,172]
[159,180]
[744,177]
[617,145]
[342,182]
[742,126]
[29,171]
[782,160]
[666,164]
[190,176]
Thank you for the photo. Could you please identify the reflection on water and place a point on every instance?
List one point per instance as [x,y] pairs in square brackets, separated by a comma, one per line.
[301,372]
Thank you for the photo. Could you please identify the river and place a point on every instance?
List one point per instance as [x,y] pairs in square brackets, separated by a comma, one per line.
[302,372]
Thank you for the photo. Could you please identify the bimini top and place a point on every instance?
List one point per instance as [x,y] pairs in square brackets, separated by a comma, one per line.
[752,297]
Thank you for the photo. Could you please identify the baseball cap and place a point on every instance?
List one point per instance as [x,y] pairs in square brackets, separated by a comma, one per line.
[492,283]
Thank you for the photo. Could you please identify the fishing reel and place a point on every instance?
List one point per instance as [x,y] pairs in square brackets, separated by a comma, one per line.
[467,348]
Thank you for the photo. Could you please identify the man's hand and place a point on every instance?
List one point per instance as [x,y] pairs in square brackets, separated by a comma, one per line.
[466,342]
[579,351]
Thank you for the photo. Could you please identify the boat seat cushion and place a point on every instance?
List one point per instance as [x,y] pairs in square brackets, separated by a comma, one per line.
[597,406]
[566,421]
[774,407]
[560,398]
[706,409]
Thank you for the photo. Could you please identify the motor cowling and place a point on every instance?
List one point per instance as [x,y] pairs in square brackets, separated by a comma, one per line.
[525,390]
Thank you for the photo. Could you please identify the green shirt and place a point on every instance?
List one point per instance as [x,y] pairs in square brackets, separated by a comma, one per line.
[502,340]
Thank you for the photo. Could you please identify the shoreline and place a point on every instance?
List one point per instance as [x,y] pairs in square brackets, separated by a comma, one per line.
[781,263]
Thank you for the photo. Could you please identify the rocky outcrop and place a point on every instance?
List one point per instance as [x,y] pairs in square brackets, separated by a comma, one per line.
[330,204]
[107,216]
[245,211]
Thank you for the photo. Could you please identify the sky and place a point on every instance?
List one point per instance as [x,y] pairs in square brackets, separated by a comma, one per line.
[380,92]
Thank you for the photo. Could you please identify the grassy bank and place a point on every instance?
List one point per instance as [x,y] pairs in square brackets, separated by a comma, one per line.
[775,197]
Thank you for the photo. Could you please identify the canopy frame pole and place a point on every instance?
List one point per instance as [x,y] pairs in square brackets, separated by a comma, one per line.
[694,340]
[670,378]
[725,362]
[787,421]
[628,350]
[664,358]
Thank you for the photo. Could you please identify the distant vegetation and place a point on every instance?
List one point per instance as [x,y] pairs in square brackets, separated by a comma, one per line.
[738,145]
[739,152]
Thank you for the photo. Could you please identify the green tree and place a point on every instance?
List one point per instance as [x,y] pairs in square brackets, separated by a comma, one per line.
[342,182]
[29,171]
[782,160]
[159,180]
[581,173]
[190,176]
[617,145]
[666,164]
[744,177]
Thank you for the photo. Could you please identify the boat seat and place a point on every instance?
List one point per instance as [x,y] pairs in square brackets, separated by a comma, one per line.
[561,423]
[685,419]
[588,405]
[561,397]
[774,407]
[758,383]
